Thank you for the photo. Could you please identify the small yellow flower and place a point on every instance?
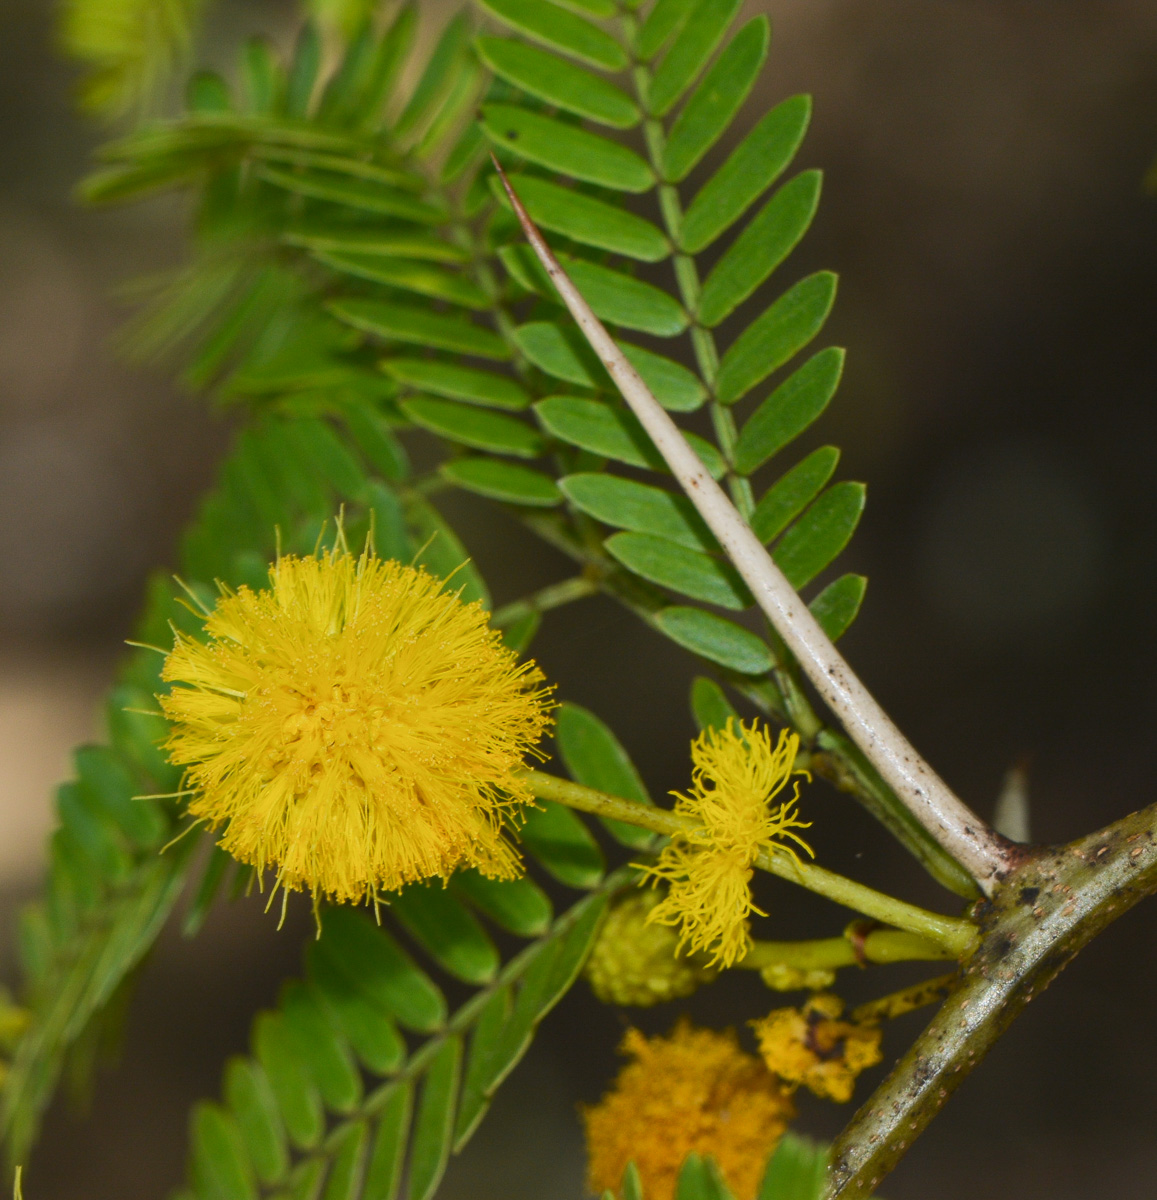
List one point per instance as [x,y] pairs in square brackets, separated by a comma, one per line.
[813,1047]
[637,963]
[695,1091]
[354,726]
[737,774]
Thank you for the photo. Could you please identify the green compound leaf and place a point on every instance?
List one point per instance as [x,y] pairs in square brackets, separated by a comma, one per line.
[796,1171]
[407,275]
[402,323]
[715,638]
[838,605]
[519,906]
[613,296]
[717,99]
[558,82]
[614,433]
[704,29]
[507,482]
[562,844]
[709,704]
[254,1108]
[567,149]
[751,168]
[561,30]
[821,533]
[561,352]
[673,566]
[474,427]
[595,757]
[447,932]
[219,1165]
[789,410]
[434,1126]
[768,239]
[638,507]
[793,492]
[776,336]
[458,383]
[585,219]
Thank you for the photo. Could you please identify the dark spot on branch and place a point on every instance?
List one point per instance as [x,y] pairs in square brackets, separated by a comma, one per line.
[1028,895]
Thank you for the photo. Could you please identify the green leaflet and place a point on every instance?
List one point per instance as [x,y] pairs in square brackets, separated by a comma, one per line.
[219,1165]
[254,1108]
[562,844]
[613,433]
[384,1173]
[664,20]
[750,169]
[519,906]
[595,757]
[415,326]
[673,566]
[768,239]
[774,337]
[710,110]
[612,295]
[447,932]
[474,427]
[793,492]
[408,275]
[789,410]
[555,27]
[434,1125]
[797,1170]
[345,1176]
[585,219]
[716,639]
[838,605]
[507,482]
[625,504]
[693,46]
[457,383]
[561,352]
[321,1048]
[298,1100]
[700,1180]
[709,704]
[821,533]
[436,80]
[567,149]
[558,82]
[353,193]
[397,243]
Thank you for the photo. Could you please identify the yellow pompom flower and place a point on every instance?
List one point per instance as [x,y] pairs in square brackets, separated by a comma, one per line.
[353,726]
[695,1091]
[737,774]
[813,1047]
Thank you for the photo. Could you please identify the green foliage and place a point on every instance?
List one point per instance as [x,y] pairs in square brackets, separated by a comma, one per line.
[356,274]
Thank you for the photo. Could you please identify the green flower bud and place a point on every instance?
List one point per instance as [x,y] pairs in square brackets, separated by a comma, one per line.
[633,963]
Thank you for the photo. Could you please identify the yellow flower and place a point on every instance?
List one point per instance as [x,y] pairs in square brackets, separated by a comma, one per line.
[709,866]
[353,726]
[813,1047]
[693,1091]
[636,963]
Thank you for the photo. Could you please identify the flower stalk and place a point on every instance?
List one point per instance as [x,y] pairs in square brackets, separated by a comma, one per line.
[956,935]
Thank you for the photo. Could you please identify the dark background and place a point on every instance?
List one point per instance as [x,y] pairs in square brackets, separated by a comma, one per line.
[983,205]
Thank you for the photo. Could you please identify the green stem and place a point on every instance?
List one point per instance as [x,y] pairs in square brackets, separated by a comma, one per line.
[554,595]
[956,935]
[879,946]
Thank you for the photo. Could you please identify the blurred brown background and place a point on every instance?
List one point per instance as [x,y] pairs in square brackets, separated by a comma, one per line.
[983,205]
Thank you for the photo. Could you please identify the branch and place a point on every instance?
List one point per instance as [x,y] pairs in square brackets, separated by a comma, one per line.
[1046,912]
[967,838]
